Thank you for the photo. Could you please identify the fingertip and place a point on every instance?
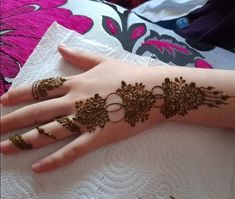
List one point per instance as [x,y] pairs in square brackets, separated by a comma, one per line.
[37,167]
[63,49]
[40,167]
[66,53]
[4,146]
[4,99]
[82,59]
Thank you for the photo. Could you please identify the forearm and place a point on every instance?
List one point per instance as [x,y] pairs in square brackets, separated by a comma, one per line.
[206,97]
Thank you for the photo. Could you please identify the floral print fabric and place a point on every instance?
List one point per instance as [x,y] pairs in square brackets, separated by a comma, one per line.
[23,23]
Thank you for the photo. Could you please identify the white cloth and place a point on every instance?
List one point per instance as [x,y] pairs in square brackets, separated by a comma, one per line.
[184,161]
[157,10]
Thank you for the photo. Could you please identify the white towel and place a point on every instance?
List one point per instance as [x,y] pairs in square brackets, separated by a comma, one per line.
[171,159]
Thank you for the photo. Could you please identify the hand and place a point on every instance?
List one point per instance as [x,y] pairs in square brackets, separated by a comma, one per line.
[103,77]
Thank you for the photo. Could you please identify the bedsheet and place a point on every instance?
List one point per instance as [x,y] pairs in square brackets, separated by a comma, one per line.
[171,160]
[24,22]
[167,9]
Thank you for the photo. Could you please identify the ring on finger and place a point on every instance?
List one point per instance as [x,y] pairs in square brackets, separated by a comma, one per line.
[40,87]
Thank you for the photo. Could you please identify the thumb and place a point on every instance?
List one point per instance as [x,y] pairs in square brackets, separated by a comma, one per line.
[82,59]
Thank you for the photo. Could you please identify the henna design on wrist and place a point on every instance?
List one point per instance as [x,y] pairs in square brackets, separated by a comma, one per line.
[40,87]
[18,141]
[135,102]
[180,97]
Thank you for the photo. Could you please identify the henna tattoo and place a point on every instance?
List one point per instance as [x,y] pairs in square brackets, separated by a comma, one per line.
[137,102]
[43,132]
[40,87]
[18,141]
[68,124]
[92,113]
[171,97]
[180,97]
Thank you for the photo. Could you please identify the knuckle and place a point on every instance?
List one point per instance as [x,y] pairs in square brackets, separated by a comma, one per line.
[67,85]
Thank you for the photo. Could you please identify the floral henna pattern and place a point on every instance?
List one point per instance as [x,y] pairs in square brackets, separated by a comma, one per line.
[92,113]
[180,97]
[176,97]
[137,102]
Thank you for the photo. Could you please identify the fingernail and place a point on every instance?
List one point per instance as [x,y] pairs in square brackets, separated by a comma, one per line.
[37,167]
[4,98]
[62,46]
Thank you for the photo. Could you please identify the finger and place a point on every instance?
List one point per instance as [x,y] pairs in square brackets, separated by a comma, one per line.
[34,114]
[75,149]
[82,59]
[39,137]
[24,94]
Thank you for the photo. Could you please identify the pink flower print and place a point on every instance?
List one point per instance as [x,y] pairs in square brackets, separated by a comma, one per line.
[23,23]
[201,63]
[167,46]
[112,26]
[169,50]
[138,32]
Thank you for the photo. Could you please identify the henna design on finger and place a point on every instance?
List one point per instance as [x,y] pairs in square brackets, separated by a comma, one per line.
[171,97]
[40,87]
[18,141]
[43,132]
[68,124]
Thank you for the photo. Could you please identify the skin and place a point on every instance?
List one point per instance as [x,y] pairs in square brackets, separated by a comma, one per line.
[102,75]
